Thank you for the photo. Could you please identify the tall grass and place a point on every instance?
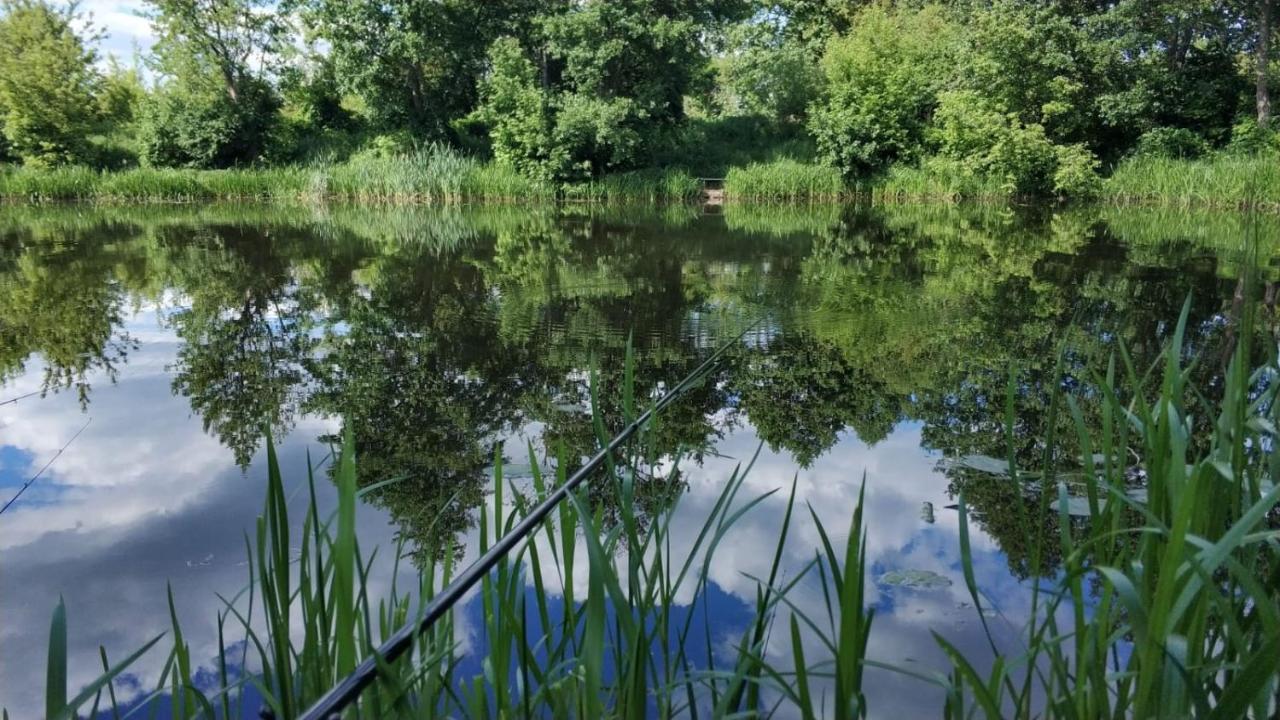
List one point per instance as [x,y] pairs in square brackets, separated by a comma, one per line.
[1170,584]
[434,174]
[935,179]
[650,185]
[1221,181]
[784,180]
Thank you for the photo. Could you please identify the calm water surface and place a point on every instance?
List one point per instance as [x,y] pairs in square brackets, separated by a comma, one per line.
[159,342]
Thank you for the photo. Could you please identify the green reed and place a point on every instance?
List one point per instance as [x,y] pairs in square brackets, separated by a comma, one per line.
[1167,605]
[1219,181]
[784,180]
[651,185]
[433,174]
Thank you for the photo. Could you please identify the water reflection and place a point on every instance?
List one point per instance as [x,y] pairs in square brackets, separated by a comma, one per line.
[885,341]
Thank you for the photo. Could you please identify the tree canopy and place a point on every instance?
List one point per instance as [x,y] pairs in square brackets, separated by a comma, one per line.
[1033,97]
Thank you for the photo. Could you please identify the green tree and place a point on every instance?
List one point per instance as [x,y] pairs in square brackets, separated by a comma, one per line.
[883,80]
[517,111]
[612,77]
[765,72]
[47,83]
[214,106]
[415,65]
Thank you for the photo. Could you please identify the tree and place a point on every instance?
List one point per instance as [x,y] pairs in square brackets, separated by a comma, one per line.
[214,107]
[612,75]
[517,111]
[415,65]
[1262,63]
[47,83]
[765,72]
[883,80]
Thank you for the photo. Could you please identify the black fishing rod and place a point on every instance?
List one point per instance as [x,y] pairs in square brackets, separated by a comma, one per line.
[346,691]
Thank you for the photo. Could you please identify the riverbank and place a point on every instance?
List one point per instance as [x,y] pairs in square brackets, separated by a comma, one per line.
[1218,182]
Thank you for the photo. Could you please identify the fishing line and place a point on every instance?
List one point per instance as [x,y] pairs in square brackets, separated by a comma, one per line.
[20,397]
[35,477]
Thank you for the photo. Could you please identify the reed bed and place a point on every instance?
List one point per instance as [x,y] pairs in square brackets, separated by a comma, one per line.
[1218,181]
[433,175]
[784,180]
[934,180]
[651,185]
[439,175]
[1170,584]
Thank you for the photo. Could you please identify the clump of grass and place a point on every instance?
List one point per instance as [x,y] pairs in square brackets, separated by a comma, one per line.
[1222,180]
[495,182]
[935,179]
[64,183]
[784,180]
[650,185]
[1171,588]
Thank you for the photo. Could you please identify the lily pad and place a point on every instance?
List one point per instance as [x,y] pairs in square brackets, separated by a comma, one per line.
[914,579]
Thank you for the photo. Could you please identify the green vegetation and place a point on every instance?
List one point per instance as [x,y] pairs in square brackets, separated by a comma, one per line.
[1224,181]
[1160,515]
[435,174]
[1008,100]
[46,82]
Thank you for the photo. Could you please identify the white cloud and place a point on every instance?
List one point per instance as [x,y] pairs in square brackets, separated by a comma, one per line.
[124,24]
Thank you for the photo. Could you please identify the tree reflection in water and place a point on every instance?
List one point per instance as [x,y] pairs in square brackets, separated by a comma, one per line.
[438,334]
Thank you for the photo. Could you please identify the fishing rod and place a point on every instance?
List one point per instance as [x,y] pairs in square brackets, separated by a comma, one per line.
[350,687]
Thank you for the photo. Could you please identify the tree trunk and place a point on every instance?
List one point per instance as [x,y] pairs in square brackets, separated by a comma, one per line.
[1261,62]
[229,78]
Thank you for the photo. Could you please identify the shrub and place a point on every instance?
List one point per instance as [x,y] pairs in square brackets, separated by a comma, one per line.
[1171,143]
[1076,174]
[594,135]
[1248,137]
[517,111]
[883,80]
[984,142]
[202,127]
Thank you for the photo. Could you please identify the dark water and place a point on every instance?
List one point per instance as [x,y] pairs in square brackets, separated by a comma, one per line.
[168,338]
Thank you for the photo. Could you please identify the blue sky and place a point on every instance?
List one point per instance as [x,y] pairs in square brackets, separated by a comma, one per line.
[124,25]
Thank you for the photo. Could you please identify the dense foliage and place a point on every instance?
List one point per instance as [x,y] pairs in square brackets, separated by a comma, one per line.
[1011,96]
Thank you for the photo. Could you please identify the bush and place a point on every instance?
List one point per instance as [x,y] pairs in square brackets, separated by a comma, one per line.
[883,81]
[1168,142]
[594,135]
[984,142]
[1248,137]
[517,111]
[201,127]
[1076,175]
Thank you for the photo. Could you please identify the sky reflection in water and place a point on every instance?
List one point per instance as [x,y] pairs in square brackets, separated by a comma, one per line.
[885,338]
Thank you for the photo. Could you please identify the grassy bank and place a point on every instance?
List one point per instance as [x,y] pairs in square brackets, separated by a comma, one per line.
[1167,602]
[1220,181]
[444,177]
[424,177]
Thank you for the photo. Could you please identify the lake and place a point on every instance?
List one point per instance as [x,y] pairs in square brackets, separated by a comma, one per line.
[144,351]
